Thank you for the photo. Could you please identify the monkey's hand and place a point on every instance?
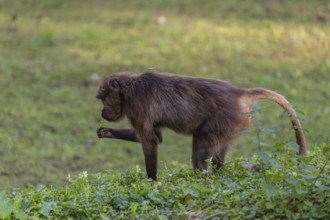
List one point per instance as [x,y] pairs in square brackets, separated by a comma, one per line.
[104,133]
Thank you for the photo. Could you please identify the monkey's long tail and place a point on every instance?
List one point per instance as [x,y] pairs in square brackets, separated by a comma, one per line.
[261,93]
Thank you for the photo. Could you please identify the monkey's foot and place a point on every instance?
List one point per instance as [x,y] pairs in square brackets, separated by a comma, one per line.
[104,132]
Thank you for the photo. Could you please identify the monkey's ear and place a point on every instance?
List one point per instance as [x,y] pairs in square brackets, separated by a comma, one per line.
[114,84]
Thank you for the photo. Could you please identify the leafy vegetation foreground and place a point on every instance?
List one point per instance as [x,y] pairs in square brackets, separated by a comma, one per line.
[279,186]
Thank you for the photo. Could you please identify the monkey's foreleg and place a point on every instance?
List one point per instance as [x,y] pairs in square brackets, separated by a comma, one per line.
[150,156]
[122,134]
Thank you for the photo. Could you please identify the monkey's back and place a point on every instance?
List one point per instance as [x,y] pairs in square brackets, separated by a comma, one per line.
[185,103]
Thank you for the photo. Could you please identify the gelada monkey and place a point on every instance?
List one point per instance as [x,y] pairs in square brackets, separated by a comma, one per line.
[213,111]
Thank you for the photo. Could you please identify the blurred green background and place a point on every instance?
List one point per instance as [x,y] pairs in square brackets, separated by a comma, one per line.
[53,54]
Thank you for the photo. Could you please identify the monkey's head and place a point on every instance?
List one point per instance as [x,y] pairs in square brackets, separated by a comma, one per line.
[109,92]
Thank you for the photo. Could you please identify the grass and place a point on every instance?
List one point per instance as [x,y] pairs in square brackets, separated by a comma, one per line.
[262,187]
[52,54]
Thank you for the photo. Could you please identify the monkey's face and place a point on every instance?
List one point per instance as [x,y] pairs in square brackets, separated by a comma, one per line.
[110,95]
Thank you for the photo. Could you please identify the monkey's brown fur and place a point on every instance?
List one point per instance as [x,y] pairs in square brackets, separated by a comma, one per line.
[212,111]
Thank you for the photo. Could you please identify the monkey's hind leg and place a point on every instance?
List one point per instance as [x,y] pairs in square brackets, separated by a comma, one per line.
[219,157]
[201,151]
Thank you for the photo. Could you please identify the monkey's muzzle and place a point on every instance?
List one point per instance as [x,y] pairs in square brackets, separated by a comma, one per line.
[104,115]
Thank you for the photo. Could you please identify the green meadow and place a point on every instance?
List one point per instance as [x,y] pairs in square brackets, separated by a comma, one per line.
[53,54]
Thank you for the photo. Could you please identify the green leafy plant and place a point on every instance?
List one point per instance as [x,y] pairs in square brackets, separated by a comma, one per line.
[282,186]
